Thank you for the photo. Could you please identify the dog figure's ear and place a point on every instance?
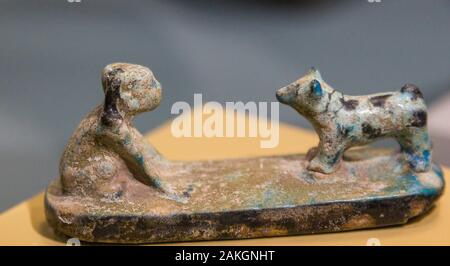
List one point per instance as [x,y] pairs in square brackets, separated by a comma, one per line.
[315,72]
[316,88]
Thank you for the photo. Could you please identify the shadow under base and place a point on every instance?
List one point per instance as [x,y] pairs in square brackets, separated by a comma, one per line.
[255,197]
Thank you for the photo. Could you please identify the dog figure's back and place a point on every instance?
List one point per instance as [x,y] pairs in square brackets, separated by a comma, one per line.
[343,121]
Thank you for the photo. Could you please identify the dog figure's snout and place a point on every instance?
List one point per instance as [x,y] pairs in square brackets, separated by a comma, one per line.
[283,95]
[279,94]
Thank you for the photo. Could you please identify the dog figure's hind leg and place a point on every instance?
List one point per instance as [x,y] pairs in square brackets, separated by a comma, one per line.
[416,145]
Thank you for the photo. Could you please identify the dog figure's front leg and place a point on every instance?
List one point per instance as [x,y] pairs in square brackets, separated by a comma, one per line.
[327,158]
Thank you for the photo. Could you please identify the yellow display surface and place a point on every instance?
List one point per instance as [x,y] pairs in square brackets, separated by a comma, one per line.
[25,223]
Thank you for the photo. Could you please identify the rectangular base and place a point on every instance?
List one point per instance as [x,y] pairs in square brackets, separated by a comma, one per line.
[256,197]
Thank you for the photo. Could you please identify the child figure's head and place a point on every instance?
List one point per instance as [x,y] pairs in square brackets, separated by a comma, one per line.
[130,89]
[306,94]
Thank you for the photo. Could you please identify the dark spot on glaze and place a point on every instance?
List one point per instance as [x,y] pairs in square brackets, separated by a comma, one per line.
[112,94]
[333,159]
[132,84]
[139,159]
[349,104]
[379,101]
[344,130]
[330,96]
[118,194]
[188,191]
[413,90]
[369,131]
[419,119]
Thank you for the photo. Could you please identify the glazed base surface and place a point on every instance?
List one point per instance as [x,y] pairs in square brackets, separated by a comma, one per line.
[255,197]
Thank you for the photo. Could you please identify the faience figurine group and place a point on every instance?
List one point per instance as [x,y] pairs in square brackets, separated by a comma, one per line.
[115,187]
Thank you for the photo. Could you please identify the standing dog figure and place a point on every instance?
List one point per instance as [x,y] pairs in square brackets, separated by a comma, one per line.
[344,121]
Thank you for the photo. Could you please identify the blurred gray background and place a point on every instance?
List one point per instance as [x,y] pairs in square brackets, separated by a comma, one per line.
[52,52]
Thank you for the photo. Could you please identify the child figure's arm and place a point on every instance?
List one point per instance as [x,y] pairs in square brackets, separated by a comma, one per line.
[139,156]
